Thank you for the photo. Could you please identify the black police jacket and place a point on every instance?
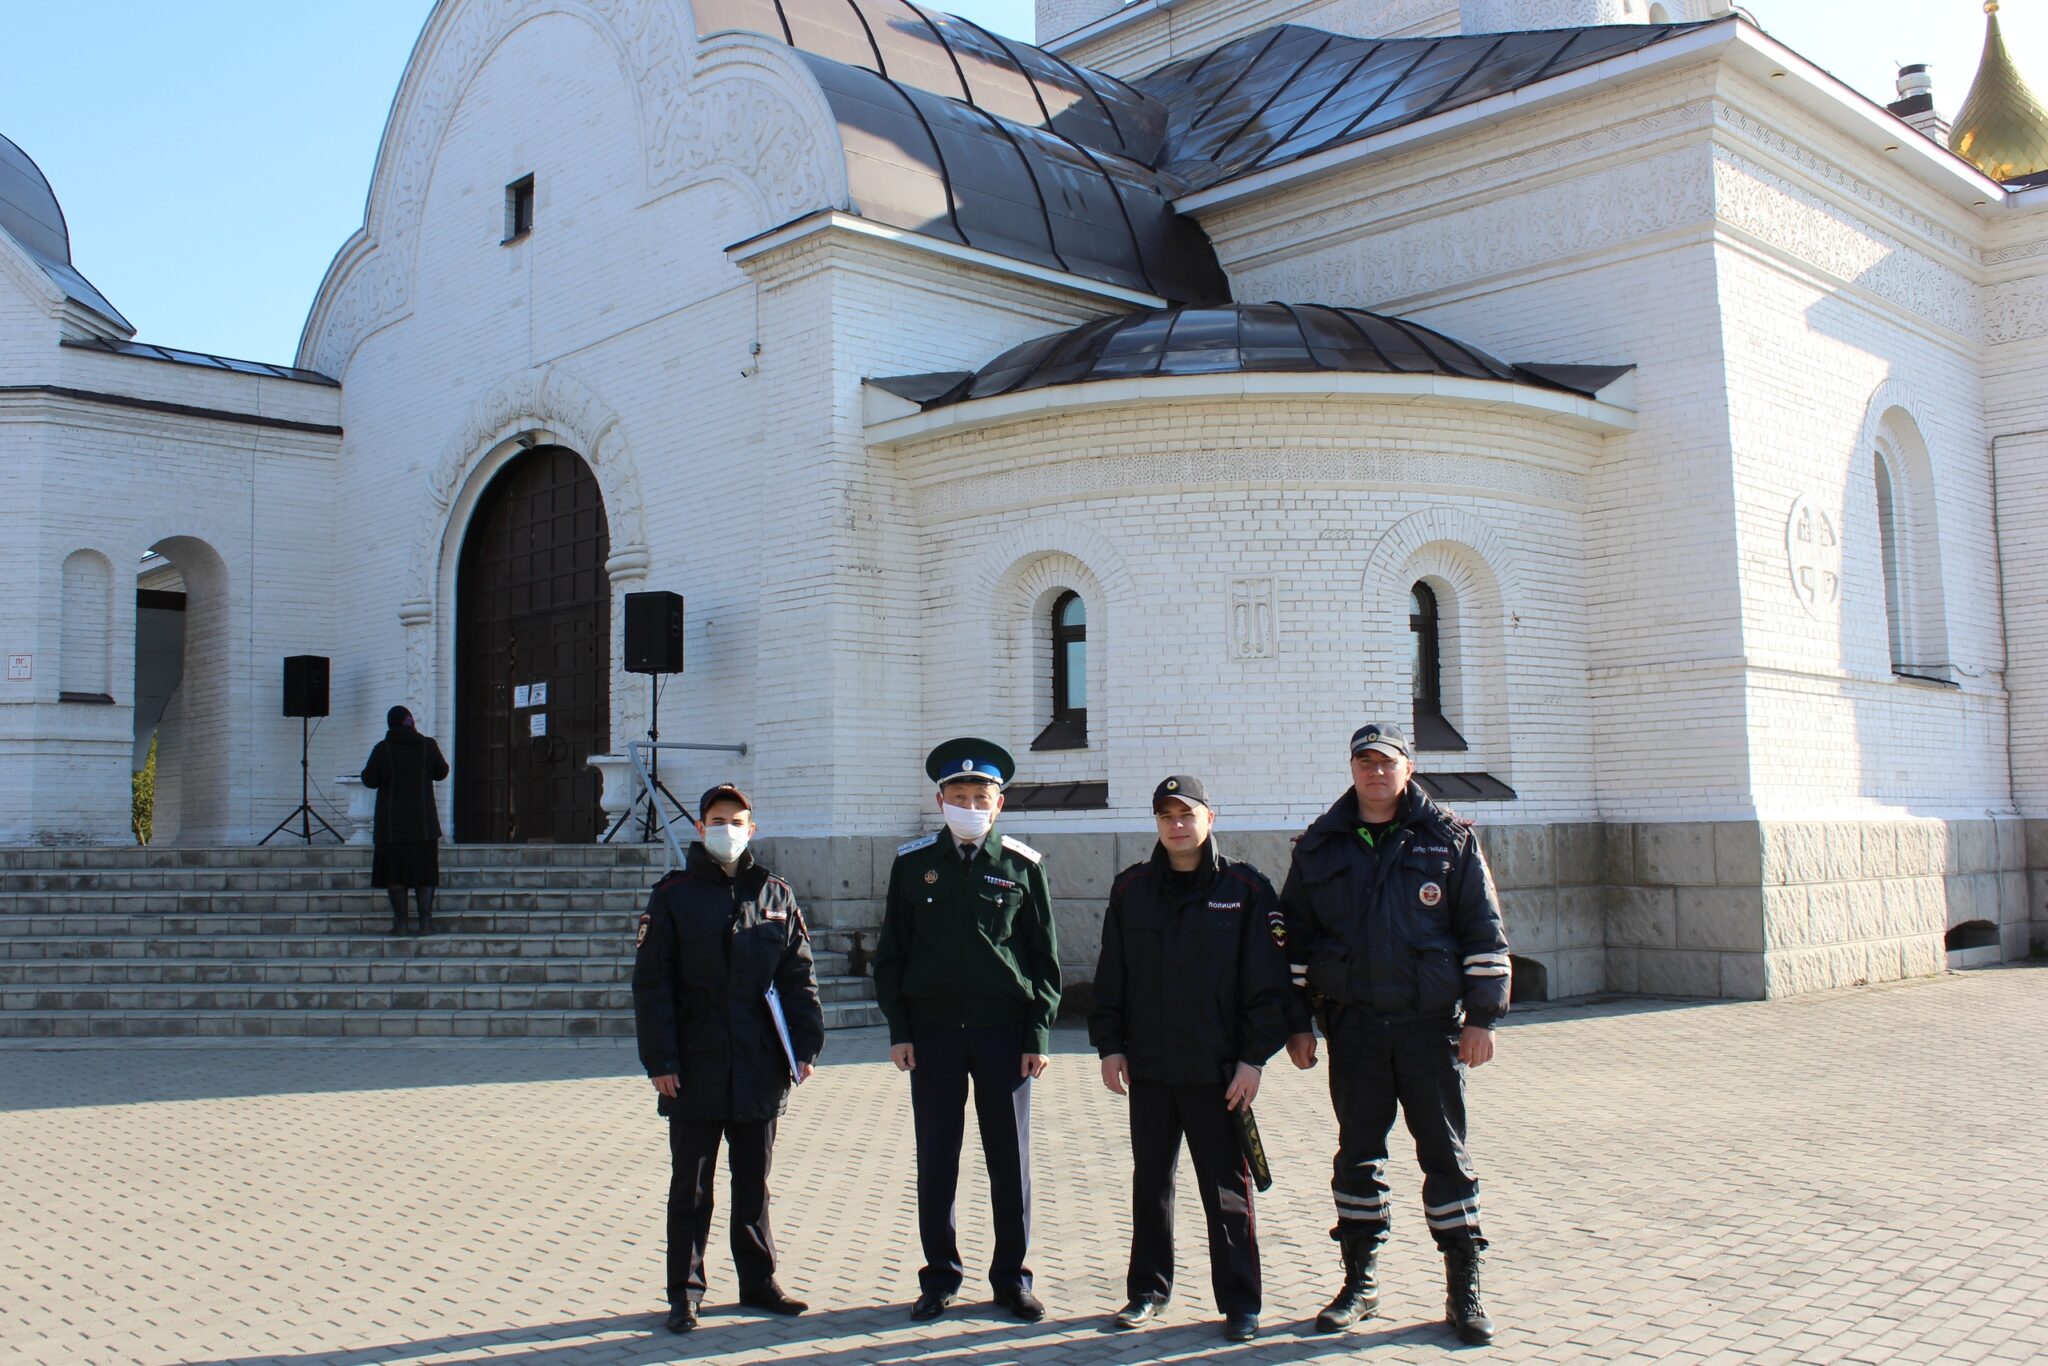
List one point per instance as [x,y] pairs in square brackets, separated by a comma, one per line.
[1191,981]
[1410,931]
[709,948]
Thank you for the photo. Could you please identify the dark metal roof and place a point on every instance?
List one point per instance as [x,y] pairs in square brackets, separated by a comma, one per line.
[1465,787]
[959,60]
[1269,337]
[1286,92]
[921,388]
[30,214]
[954,171]
[958,133]
[147,351]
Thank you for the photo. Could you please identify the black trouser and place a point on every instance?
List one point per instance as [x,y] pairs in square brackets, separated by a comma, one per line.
[1160,1114]
[693,1155]
[948,1057]
[1374,1064]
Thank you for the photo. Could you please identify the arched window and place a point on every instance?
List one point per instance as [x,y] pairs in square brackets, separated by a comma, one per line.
[1888,536]
[1425,672]
[1659,15]
[1908,547]
[1069,727]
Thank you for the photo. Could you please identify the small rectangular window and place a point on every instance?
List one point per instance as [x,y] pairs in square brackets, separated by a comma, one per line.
[519,208]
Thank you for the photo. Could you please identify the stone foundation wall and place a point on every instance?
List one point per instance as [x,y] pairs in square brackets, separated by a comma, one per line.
[2037,887]
[1734,910]
[1846,903]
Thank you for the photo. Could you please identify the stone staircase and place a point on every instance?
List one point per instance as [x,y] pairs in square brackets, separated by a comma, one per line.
[530,941]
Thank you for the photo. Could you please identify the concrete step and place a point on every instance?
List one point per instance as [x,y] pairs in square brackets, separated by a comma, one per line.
[615,944]
[250,879]
[397,993]
[486,898]
[531,940]
[652,856]
[616,947]
[390,1024]
[357,919]
[347,920]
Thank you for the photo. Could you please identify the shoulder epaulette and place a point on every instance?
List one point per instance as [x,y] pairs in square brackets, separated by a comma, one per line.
[922,842]
[671,876]
[1021,849]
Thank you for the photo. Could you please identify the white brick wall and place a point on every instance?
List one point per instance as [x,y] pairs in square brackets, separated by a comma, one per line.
[1342,504]
[1621,623]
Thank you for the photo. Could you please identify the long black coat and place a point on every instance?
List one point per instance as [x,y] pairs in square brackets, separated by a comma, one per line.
[710,947]
[403,767]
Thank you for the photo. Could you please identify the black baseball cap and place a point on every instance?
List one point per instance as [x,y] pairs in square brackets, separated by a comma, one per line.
[724,792]
[1186,787]
[1386,738]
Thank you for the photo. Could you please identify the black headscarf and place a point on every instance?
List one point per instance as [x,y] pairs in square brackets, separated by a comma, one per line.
[398,718]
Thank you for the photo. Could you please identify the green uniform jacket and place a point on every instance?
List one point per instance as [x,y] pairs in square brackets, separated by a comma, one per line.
[968,943]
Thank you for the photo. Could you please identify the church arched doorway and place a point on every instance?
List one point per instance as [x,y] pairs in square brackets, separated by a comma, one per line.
[532,654]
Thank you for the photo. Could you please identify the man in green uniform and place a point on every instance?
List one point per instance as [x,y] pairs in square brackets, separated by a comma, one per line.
[967,974]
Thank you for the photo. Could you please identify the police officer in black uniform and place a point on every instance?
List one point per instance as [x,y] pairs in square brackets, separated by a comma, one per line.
[967,975]
[1191,999]
[718,936]
[1397,939]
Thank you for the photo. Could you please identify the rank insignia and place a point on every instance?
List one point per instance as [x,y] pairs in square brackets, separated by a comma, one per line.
[1431,893]
[931,876]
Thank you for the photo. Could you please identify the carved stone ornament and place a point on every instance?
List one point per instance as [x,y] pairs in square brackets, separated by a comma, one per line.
[1813,555]
[738,108]
[1254,619]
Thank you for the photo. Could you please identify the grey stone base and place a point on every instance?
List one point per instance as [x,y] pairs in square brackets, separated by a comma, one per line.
[1735,910]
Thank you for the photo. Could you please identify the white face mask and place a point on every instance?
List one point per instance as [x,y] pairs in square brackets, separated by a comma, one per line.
[726,842]
[965,822]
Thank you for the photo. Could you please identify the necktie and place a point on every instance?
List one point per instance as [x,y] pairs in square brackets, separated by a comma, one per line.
[966,853]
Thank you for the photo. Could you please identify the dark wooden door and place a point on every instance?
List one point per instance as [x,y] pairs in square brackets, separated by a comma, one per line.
[533,657]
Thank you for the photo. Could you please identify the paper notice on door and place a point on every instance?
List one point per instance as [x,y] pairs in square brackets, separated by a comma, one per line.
[538,694]
[537,724]
[522,696]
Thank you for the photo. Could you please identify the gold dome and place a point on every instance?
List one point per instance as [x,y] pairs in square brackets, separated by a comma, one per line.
[2003,128]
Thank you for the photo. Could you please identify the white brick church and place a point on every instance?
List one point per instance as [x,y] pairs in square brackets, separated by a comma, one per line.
[1654,422]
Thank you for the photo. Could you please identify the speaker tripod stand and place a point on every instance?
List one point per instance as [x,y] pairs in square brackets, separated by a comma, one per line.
[644,799]
[305,815]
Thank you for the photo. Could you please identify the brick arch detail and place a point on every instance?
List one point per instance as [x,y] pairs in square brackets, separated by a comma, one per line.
[1477,586]
[544,407]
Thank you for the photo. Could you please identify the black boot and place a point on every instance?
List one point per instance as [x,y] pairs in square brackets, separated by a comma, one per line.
[397,895]
[425,895]
[1360,1297]
[1462,1308]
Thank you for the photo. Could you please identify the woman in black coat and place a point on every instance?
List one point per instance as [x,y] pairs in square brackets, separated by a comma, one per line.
[403,768]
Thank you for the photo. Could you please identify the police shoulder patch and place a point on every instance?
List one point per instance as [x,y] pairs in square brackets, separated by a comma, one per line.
[922,842]
[1021,849]
[640,934]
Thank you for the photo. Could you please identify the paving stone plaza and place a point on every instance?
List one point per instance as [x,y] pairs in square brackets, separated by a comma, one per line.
[1853,1176]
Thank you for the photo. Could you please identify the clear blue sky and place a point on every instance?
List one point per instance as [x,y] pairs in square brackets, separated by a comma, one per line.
[211,155]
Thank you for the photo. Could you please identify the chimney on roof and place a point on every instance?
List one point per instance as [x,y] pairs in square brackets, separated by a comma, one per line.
[1915,103]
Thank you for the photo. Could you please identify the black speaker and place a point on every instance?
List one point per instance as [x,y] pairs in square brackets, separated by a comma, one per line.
[654,633]
[305,685]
